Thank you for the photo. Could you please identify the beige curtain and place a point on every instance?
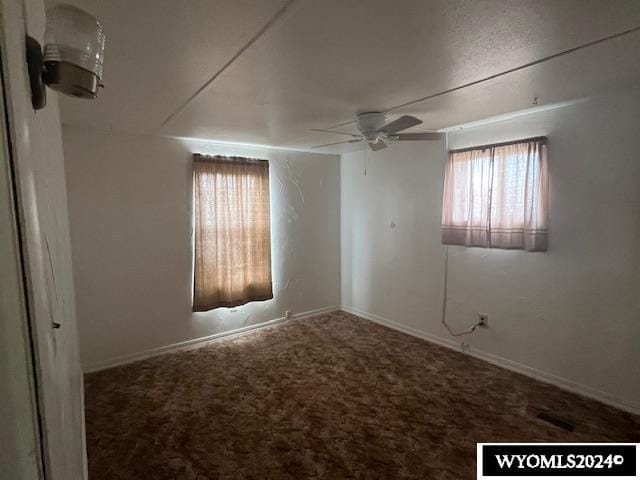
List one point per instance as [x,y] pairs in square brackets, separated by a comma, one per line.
[232,232]
[496,196]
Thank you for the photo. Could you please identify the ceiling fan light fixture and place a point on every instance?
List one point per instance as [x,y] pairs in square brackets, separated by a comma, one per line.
[370,123]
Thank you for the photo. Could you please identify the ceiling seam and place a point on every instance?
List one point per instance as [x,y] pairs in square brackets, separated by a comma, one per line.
[506,72]
[246,46]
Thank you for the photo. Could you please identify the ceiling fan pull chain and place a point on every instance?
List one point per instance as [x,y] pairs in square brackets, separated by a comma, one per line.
[364,149]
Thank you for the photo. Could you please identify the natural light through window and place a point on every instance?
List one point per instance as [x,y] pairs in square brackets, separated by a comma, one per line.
[496,196]
[232,232]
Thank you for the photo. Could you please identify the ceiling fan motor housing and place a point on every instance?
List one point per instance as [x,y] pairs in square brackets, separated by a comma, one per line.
[370,124]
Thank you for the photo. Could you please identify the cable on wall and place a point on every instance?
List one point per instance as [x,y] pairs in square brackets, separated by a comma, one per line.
[445,293]
[444,300]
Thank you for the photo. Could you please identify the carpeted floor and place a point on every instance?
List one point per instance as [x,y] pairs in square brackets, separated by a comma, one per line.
[331,397]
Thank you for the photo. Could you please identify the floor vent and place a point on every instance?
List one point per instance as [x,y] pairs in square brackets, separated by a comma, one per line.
[558,422]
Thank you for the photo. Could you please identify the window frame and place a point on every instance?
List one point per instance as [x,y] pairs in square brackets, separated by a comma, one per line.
[470,216]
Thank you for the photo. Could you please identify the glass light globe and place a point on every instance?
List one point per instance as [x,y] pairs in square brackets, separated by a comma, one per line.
[73,51]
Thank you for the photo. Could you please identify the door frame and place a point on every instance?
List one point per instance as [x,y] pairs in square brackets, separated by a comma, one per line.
[41,256]
[21,409]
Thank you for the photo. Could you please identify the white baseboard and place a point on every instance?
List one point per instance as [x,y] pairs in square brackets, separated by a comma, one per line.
[517,367]
[134,357]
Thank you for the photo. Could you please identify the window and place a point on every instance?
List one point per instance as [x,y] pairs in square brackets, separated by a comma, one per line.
[232,264]
[496,196]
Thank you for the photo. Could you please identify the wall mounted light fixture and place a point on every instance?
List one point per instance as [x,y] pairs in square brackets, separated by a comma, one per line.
[73,55]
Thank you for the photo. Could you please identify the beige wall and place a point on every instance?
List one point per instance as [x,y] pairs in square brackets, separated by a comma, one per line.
[130,200]
[570,315]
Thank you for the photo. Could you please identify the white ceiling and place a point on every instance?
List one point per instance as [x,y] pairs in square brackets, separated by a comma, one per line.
[318,63]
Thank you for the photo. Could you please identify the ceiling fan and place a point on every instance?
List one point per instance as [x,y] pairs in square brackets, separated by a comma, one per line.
[375,130]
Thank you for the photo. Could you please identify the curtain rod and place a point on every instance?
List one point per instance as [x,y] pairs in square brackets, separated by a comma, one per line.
[542,140]
[201,157]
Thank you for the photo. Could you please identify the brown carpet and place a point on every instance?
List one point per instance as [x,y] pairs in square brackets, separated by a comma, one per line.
[331,397]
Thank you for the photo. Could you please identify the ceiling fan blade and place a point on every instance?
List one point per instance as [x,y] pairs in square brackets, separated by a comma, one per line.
[418,136]
[333,131]
[402,123]
[355,140]
[378,145]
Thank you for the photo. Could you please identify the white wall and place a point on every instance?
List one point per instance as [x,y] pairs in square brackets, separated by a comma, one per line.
[570,315]
[130,201]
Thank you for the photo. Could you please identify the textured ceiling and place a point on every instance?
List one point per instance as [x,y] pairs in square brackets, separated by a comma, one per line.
[266,71]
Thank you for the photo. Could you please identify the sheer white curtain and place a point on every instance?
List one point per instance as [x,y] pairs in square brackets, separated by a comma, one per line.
[496,196]
[232,232]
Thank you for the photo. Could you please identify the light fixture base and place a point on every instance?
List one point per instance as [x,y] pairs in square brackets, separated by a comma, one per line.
[34,67]
[71,80]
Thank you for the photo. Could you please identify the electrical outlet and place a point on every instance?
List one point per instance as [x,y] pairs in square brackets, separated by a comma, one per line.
[483,320]
[287,314]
